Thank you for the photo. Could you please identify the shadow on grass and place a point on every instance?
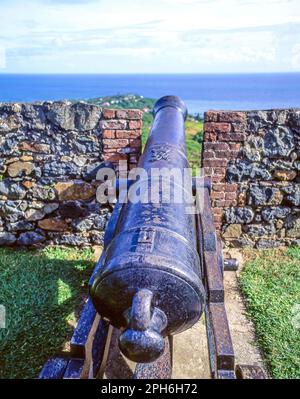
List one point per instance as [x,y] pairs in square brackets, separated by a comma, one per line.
[41,292]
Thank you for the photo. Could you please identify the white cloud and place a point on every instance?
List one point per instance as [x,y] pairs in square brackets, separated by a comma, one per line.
[160,36]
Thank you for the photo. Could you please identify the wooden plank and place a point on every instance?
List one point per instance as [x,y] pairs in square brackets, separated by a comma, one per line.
[210,343]
[199,233]
[102,367]
[74,369]
[158,370]
[83,331]
[89,341]
[220,256]
[99,345]
[208,226]
[224,352]
[211,254]
[249,372]
[214,278]
[54,369]
[226,375]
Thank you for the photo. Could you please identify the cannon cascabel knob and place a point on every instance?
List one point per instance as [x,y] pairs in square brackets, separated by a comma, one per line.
[142,341]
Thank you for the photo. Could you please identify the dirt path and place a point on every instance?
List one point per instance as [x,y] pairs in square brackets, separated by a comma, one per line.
[242,329]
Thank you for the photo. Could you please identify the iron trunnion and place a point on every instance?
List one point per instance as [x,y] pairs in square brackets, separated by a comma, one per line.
[150,284]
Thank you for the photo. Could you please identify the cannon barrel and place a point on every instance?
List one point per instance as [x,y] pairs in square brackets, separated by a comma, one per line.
[150,285]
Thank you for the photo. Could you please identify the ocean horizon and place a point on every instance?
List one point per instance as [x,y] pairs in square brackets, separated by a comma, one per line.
[201,92]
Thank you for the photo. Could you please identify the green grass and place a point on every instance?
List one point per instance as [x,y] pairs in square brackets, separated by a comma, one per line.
[147,122]
[270,283]
[41,292]
[194,137]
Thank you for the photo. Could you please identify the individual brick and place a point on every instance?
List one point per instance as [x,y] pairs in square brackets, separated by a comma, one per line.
[211,116]
[217,179]
[218,218]
[122,114]
[135,133]
[219,187]
[231,196]
[215,162]
[114,124]
[109,134]
[134,114]
[231,187]
[123,134]
[212,127]
[218,211]
[135,124]
[217,195]
[234,146]
[232,116]
[109,114]
[115,143]
[226,154]
[216,146]
[210,136]
[208,154]
[231,137]
[130,134]
[112,157]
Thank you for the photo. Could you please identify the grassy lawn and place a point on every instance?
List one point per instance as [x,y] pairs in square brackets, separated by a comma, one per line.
[194,135]
[41,292]
[270,283]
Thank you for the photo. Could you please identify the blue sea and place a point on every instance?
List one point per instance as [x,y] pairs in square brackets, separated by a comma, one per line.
[201,92]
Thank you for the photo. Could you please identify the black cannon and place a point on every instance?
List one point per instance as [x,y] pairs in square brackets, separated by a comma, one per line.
[151,282]
[162,266]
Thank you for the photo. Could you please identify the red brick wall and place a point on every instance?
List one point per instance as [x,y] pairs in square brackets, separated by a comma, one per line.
[224,133]
[122,132]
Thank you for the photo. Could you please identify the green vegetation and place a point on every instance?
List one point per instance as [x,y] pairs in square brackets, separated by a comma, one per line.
[270,283]
[147,122]
[194,137]
[42,292]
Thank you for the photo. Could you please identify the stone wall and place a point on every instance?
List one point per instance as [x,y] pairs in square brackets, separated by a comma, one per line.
[50,154]
[254,160]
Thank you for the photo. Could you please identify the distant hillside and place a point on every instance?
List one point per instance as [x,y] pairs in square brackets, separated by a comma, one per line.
[125,101]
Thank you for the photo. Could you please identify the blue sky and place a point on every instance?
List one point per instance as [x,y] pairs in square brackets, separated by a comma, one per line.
[157,36]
